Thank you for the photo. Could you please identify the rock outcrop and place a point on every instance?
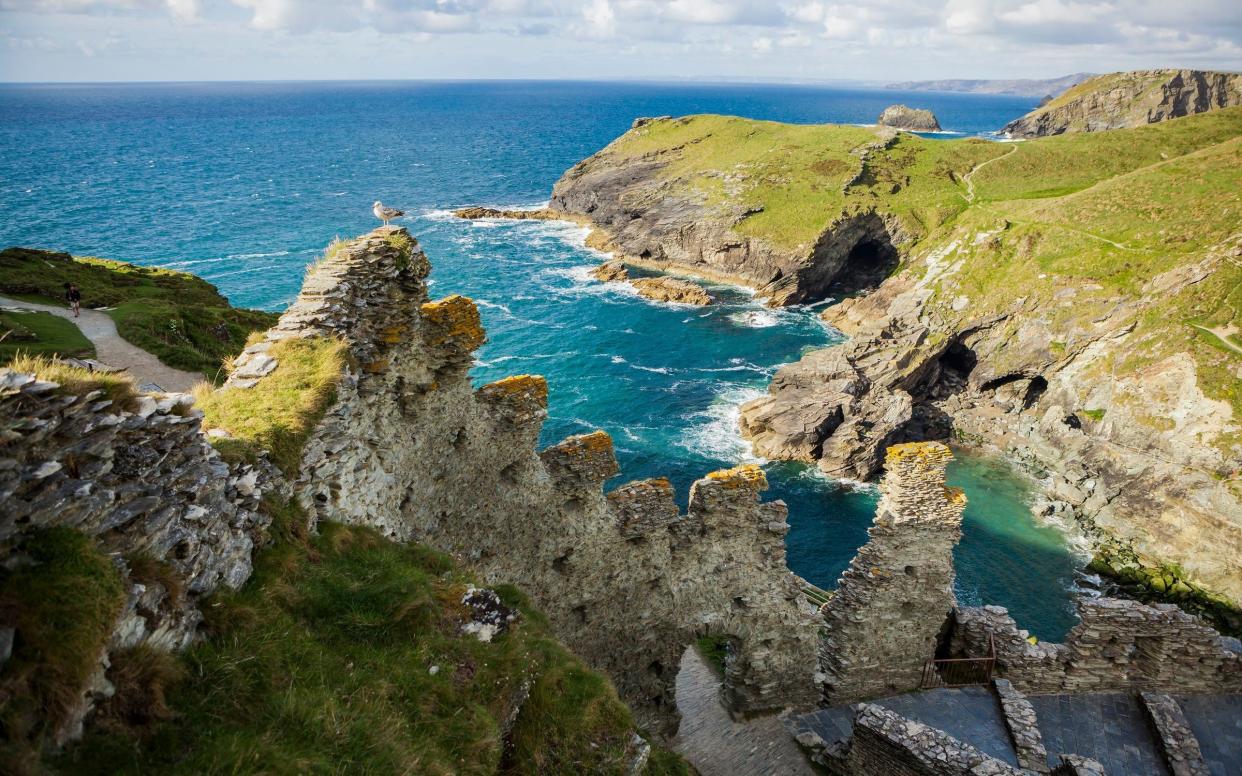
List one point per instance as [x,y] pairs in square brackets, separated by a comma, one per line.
[475,213]
[410,448]
[666,289]
[913,119]
[610,272]
[1129,100]
[654,221]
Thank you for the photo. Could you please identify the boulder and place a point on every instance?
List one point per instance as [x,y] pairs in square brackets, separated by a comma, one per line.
[664,289]
[611,271]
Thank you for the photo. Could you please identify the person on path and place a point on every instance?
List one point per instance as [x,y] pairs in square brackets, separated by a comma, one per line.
[74,295]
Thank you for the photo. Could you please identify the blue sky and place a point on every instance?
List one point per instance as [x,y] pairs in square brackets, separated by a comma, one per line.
[125,40]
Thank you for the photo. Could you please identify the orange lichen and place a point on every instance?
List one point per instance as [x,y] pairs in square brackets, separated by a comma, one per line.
[748,475]
[594,442]
[377,366]
[392,335]
[955,496]
[924,453]
[517,386]
[454,319]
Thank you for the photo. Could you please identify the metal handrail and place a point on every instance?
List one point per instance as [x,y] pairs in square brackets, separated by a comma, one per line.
[960,671]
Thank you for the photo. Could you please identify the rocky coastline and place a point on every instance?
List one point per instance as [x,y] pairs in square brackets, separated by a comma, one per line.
[1125,460]
[913,119]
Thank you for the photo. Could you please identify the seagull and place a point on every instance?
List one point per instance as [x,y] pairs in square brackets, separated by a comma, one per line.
[385,214]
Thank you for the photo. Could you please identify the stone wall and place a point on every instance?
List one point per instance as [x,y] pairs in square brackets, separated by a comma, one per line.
[1023,726]
[142,482]
[1118,645]
[1177,740]
[627,581]
[886,744]
[892,603]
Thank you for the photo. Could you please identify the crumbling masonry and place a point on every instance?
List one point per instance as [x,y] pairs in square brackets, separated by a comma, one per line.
[626,580]
[893,601]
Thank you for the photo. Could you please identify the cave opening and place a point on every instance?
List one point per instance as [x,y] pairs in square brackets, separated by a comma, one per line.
[867,264]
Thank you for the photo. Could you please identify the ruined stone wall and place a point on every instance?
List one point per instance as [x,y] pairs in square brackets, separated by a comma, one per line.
[1118,645]
[886,744]
[893,601]
[142,483]
[627,581]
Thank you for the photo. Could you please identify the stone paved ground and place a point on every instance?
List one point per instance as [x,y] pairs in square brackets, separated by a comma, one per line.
[969,714]
[1217,722]
[1109,727]
[717,745]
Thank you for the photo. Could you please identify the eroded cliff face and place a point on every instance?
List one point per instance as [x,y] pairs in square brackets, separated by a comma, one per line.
[645,211]
[1144,459]
[1129,100]
[411,448]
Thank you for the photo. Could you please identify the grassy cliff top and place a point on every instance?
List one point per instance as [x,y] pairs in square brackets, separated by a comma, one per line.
[1070,228]
[182,319]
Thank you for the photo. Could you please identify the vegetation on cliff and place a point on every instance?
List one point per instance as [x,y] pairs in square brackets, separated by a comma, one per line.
[281,411]
[183,320]
[345,652]
[61,602]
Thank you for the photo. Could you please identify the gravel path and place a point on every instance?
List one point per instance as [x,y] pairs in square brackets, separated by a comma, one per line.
[110,349]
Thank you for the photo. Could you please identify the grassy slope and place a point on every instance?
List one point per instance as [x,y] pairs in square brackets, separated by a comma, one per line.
[1164,193]
[40,333]
[322,663]
[180,318]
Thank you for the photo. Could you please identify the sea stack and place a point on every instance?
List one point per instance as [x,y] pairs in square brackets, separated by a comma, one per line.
[913,119]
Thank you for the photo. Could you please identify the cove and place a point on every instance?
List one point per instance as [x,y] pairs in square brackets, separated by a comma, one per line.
[244,185]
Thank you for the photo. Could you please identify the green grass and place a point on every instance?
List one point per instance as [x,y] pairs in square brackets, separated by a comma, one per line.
[62,604]
[117,387]
[323,663]
[41,333]
[714,649]
[181,319]
[279,413]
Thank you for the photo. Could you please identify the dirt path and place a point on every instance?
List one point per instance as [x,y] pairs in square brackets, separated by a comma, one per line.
[968,178]
[1222,333]
[116,352]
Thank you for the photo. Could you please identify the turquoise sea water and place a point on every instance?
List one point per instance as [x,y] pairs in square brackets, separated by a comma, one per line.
[244,184]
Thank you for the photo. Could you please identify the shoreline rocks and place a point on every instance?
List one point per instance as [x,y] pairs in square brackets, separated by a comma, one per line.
[476,213]
[611,272]
[905,117]
[665,289]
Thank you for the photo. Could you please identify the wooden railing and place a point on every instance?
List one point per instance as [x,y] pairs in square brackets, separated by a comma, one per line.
[960,672]
[816,595]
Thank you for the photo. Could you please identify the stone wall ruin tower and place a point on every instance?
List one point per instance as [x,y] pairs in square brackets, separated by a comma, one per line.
[892,603]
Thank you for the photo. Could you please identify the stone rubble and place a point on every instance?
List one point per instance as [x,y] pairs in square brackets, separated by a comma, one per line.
[1023,726]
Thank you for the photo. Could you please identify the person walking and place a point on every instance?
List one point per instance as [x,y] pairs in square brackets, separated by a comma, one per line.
[74,295]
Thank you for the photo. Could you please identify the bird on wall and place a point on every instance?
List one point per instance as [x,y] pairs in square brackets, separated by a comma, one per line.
[385,214]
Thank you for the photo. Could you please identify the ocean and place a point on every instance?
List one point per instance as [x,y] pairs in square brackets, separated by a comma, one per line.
[244,184]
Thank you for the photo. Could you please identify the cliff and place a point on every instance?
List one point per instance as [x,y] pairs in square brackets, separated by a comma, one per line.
[1130,99]
[1069,301]
[1020,87]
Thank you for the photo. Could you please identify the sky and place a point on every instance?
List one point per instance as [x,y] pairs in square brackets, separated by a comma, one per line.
[800,40]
